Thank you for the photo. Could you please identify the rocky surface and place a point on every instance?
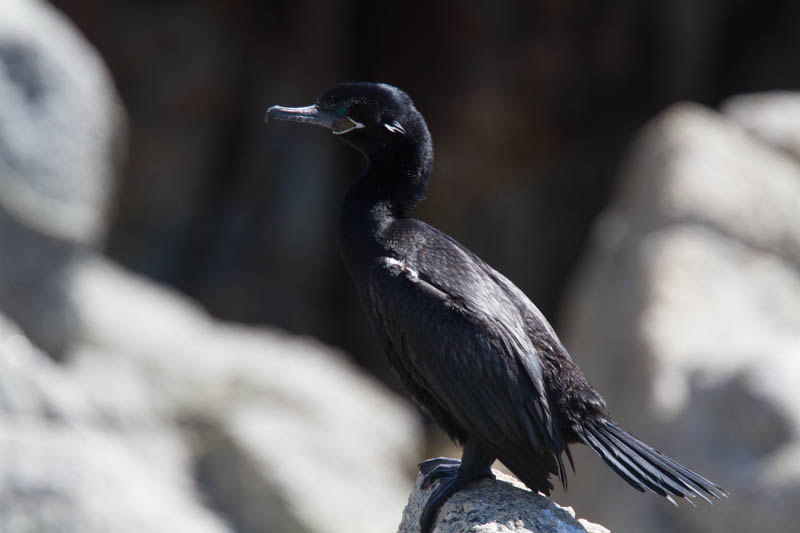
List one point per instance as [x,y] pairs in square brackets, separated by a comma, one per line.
[685,314]
[770,116]
[502,505]
[282,430]
[65,468]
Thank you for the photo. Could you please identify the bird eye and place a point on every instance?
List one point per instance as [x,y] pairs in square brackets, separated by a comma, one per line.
[341,110]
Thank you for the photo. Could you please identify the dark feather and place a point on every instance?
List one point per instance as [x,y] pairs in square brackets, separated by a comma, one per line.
[643,466]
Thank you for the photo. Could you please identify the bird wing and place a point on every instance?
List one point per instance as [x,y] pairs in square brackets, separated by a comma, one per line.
[471,357]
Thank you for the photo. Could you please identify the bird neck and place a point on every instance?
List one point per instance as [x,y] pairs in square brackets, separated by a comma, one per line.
[397,175]
[392,185]
[366,213]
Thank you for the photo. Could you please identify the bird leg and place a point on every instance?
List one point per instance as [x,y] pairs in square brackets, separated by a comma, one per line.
[475,464]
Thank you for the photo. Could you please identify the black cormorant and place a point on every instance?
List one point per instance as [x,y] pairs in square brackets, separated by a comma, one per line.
[470,348]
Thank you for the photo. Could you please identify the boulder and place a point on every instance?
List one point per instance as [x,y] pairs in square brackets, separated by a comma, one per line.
[63,468]
[227,426]
[61,126]
[62,478]
[770,116]
[684,314]
[287,436]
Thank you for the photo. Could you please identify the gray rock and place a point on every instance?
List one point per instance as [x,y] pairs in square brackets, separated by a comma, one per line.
[32,284]
[276,470]
[62,479]
[59,124]
[286,436]
[500,505]
[771,116]
[33,386]
[684,314]
[63,468]
[691,165]
[280,433]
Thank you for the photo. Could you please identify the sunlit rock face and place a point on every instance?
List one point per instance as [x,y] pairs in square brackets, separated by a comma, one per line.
[60,125]
[685,313]
[61,130]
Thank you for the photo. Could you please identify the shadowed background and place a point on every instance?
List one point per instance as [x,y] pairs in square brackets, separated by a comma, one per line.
[534,108]
[531,106]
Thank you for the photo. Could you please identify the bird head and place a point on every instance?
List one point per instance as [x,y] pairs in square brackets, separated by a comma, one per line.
[376,118]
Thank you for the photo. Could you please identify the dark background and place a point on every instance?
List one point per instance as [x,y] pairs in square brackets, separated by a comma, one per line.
[531,106]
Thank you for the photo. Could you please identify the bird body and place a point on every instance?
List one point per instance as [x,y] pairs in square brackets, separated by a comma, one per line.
[469,347]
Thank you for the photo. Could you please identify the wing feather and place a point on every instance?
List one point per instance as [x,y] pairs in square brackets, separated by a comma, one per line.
[481,369]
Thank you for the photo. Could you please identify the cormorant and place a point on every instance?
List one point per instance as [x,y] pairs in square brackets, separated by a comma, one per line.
[470,348]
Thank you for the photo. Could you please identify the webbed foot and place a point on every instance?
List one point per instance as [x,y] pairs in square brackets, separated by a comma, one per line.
[429,464]
[438,468]
[475,464]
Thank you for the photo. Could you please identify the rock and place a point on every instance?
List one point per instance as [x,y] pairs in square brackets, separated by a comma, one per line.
[694,166]
[33,386]
[684,315]
[312,476]
[58,478]
[64,469]
[771,116]
[60,124]
[502,505]
[61,127]
[283,431]
[274,429]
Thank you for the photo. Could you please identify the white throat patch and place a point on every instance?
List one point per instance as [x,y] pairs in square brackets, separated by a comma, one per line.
[355,126]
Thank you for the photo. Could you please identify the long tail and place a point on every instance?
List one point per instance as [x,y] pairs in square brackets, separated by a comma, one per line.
[644,467]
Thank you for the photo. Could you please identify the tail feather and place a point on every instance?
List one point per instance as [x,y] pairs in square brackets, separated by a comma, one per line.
[651,476]
[665,470]
[645,467]
[609,457]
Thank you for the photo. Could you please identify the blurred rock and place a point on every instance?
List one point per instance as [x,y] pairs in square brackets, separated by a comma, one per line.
[278,433]
[684,314]
[312,476]
[64,469]
[503,505]
[287,436]
[58,479]
[32,385]
[33,274]
[59,124]
[771,116]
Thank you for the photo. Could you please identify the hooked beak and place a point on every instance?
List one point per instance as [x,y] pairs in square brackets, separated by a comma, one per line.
[315,116]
